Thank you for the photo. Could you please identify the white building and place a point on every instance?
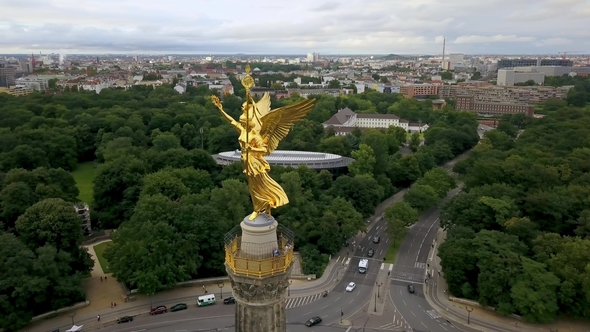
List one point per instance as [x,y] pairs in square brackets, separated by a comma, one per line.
[511,76]
[33,83]
[345,121]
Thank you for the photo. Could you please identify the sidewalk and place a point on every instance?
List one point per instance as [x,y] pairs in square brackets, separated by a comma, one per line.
[481,319]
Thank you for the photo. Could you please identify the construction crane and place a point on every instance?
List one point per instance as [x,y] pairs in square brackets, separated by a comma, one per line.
[565,53]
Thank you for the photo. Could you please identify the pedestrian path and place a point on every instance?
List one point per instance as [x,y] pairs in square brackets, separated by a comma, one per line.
[295,302]
[433,314]
[344,260]
[397,323]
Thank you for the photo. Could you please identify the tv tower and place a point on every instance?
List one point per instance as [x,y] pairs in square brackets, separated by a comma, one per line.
[443,55]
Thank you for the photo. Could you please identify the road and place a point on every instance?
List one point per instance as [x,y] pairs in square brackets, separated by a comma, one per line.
[221,317]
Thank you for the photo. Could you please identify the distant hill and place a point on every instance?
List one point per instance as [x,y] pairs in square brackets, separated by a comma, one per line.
[395,57]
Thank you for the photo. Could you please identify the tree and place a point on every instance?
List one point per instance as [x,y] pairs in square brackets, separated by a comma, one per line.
[415,141]
[534,293]
[364,162]
[402,211]
[446,75]
[439,179]
[421,197]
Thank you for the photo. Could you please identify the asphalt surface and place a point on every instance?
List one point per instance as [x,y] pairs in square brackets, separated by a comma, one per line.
[410,269]
[338,304]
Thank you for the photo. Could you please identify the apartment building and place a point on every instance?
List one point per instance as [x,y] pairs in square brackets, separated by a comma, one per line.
[472,104]
[7,75]
[511,63]
[419,90]
[504,94]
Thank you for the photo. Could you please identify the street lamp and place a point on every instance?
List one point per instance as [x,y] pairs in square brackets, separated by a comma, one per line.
[375,310]
[378,288]
[220,285]
[469,310]
[289,288]
[201,131]
[72,314]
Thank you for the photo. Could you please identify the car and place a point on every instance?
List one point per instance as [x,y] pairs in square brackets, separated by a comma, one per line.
[371,252]
[376,239]
[350,287]
[159,310]
[178,307]
[229,300]
[125,319]
[313,321]
[411,289]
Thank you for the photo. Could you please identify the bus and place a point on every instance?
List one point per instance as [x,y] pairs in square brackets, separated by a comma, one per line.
[206,300]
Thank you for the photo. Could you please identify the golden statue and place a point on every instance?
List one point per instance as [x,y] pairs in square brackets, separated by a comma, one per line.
[261,129]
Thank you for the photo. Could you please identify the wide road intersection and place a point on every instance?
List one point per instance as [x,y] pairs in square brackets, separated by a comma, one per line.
[339,304]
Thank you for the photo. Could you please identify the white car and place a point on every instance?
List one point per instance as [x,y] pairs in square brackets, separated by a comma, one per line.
[350,287]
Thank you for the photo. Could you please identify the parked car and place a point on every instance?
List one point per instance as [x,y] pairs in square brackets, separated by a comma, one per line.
[411,288]
[125,319]
[229,300]
[313,321]
[159,310]
[376,239]
[350,287]
[178,307]
[371,252]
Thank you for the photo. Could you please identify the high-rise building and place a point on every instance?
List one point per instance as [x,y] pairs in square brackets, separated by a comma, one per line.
[258,261]
[6,75]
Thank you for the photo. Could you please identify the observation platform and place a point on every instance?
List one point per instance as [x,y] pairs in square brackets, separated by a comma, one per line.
[259,259]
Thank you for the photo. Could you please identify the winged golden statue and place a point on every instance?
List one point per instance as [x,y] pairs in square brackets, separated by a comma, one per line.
[260,131]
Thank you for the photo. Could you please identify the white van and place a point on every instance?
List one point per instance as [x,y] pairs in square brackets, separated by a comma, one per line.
[363,265]
[206,300]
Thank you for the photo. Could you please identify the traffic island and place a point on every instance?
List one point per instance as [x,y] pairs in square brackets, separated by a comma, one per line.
[379,295]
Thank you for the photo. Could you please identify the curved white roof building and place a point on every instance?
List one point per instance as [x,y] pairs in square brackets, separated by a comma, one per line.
[287,158]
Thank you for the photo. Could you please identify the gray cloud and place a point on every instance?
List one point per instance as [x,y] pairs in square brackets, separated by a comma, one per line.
[268,26]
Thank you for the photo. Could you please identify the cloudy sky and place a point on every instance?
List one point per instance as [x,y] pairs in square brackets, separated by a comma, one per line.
[295,27]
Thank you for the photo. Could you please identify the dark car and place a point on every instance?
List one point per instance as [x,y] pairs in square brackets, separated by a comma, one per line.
[376,239]
[371,252]
[313,321]
[159,310]
[178,307]
[125,319]
[411,288]
[229,300]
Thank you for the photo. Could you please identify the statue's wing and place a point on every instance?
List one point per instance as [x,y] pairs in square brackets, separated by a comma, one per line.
[277,123]
[263,105]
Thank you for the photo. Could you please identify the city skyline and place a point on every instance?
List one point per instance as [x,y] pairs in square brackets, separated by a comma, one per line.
[333,27]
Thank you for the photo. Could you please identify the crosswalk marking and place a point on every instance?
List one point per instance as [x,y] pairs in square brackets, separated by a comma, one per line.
[419,265]
[433,314]
[300,301]
[347,261]
[390,267]
[382,266]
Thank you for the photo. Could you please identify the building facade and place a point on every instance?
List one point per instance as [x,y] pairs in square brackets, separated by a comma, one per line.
[472,104]
[7,76]
[511,76]
[346,121]
[419,90]
[511,63]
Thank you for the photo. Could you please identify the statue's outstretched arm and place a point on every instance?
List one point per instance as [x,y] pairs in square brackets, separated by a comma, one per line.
[229,119]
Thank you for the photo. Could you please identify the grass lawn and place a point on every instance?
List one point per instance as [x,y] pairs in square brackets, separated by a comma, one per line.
[392,251]
[408,136]
[84,175]
[99,249]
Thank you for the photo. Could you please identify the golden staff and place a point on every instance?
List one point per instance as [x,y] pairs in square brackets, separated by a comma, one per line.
[248,83]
